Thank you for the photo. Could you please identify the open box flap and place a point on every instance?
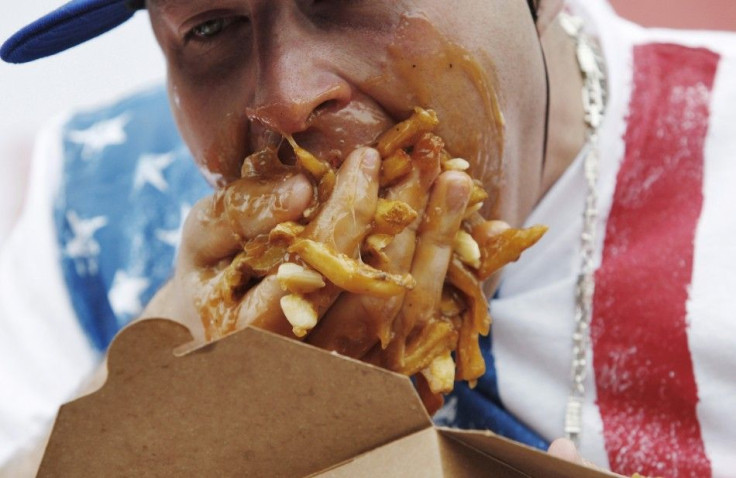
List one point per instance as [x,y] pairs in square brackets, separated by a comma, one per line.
[257,404]
[424,454]
[252,401]
[444,452]
[524,458]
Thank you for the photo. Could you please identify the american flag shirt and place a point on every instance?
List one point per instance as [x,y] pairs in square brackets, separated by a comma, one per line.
[661,370]
[111,187]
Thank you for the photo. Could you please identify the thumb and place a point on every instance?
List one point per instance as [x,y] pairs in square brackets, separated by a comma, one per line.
[565,449]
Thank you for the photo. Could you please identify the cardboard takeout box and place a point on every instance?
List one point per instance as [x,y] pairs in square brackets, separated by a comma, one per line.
[256,404]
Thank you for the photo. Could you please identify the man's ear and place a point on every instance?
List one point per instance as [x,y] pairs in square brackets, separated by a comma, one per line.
[547,11]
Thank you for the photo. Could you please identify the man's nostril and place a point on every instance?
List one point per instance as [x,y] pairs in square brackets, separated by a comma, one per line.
[329,105]
[326,107]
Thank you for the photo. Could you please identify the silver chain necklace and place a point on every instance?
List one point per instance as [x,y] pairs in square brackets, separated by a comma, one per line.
[594,94]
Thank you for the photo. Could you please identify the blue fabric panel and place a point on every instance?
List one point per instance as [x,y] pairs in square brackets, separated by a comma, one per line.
[128,181]
[481,408]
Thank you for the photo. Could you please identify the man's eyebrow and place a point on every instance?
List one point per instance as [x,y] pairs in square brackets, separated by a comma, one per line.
[166,5]
[160,4]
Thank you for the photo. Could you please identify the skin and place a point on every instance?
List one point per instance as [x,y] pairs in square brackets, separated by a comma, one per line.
[302,68]
[324,72]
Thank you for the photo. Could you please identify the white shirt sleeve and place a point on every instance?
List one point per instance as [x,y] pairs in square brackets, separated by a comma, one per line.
[44,354]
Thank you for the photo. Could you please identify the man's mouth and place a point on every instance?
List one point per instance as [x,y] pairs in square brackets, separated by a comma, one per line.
[332,132]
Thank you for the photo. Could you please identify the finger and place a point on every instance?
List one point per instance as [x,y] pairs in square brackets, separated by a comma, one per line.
[442,220]
[565,449]
[255,206]
[343,223]
[347,215]
[356,322]
[217,225]
[261,308]
[350,325]
[414,191]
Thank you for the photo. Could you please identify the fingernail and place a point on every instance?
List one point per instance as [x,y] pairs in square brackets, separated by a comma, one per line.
[369,159]
[458,193]
[294,184]
[296,189]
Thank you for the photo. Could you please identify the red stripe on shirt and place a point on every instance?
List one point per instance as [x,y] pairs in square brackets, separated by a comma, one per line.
[647,393]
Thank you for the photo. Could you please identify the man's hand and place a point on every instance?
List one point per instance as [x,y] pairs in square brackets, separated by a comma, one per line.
[211,238]
[566,450]
[212,235]
[356,323]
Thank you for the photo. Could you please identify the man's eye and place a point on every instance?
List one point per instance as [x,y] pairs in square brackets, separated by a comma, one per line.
[209,29]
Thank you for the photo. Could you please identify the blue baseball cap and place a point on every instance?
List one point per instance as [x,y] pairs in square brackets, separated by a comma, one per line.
[68,26]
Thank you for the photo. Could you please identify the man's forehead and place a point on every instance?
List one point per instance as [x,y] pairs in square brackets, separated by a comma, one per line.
[170,6]
[167,4]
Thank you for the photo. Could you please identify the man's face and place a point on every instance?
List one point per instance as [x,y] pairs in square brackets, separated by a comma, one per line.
[337,73]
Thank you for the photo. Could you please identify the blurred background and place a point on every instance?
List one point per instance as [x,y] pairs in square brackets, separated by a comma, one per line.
[121,61]
[128,59]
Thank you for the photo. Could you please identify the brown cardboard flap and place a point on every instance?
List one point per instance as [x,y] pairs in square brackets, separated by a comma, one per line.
[526,459]
[413,456]
[424,454]
[257,404]
[251,404]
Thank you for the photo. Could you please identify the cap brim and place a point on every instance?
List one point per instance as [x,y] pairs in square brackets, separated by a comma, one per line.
[68,26]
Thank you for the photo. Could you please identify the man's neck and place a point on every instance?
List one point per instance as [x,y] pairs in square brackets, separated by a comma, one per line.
[566,134]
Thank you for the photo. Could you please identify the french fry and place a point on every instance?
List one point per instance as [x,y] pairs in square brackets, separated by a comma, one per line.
[437,338]
[392,217]
[405,133]
[315,166]
[395,167]
[235,276]
[427,154]
[285,232]
[472,210]
[478,194]
[440,374]
[313,273]
[350,274]
[262,255]
[451,303]
[470,363]
[374,246]
[263,164]
[375,243]
[465,281]
[326,185]
[506,247]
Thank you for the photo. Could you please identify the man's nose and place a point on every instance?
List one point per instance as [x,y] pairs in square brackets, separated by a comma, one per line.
[297,78]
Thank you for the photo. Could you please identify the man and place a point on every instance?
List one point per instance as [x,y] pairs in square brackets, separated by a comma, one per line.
[238,72]
[265,81]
